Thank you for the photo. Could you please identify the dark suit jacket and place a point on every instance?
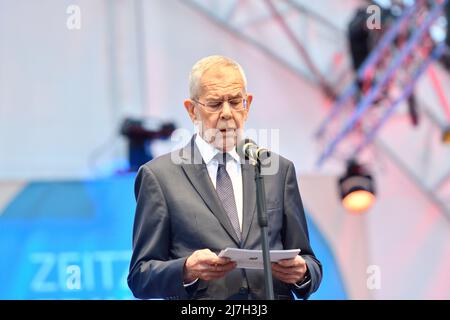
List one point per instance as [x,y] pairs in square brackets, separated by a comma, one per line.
[178,211]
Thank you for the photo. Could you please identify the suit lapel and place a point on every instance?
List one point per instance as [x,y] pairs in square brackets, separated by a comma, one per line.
[197,174]
[249,196]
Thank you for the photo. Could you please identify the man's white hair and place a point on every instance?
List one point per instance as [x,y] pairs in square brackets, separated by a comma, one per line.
[201,66]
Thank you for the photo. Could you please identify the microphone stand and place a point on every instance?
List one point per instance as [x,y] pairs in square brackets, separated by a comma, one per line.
[263,224]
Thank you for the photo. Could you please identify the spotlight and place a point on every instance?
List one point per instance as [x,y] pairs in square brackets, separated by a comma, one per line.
[140,136]
[357,188]
[446,135]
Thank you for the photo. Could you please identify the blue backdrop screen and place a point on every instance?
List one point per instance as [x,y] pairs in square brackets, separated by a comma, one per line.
[72,240]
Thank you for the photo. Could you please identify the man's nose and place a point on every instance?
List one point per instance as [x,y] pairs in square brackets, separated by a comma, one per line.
[226,111]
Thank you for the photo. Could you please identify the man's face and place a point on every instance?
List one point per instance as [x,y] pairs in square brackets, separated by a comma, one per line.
[218,84]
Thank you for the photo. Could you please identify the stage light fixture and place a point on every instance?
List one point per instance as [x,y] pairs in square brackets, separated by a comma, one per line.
[140,136]
[446,135]
[357,188]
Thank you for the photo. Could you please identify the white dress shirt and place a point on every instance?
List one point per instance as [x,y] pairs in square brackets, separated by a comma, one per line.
[233,167]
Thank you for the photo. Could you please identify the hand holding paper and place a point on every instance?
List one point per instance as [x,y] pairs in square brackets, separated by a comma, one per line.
[252,259]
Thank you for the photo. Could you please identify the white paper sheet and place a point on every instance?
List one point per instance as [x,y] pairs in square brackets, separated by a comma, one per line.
[252,259]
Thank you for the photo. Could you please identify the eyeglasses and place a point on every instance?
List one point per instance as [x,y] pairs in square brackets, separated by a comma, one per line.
[236,104]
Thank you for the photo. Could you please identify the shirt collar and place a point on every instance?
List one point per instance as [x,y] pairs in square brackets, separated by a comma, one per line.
[208,151]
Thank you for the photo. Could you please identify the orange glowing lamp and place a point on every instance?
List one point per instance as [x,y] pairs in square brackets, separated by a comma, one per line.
[446,135]
[357,188]
[358,201]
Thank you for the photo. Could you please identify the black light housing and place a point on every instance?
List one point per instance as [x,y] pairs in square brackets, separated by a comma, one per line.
[139,136]
[357,188]
[446,135]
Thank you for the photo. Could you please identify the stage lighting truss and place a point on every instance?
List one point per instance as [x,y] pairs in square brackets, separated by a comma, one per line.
[305,41]
[282,28]
[403,54]
[389,73]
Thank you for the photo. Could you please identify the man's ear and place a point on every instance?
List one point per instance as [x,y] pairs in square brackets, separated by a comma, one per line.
[189,106]
[249,102]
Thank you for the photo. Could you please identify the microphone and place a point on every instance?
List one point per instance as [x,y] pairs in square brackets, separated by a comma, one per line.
[248,149]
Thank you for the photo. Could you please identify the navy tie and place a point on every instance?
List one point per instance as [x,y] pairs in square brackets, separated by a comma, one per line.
[224,189]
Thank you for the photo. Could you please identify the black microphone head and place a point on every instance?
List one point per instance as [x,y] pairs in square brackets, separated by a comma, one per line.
[242,147]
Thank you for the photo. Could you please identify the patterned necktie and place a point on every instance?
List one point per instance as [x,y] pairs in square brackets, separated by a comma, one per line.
[224,189]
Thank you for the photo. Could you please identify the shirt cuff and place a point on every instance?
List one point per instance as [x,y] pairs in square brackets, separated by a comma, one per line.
[302,284]
[189,284]
[305,281]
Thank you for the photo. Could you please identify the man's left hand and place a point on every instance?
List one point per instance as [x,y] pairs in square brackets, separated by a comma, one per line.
[290,270]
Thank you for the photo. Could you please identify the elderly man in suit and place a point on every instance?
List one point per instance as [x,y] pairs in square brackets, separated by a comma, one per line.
[196,201]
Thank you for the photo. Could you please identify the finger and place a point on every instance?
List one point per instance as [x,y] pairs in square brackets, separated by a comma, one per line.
[229,266]
[212,275]
[204,267]
[223,267]
[213,259]
[287,262]
[292,263]
[286,278]
[296,261]
[296,272]
[230,263]
[292,277]
[218,267]
[281,269]
[222,260]
[280,276]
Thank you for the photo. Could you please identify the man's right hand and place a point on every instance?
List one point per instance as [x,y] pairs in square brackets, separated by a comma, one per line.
[206,265]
